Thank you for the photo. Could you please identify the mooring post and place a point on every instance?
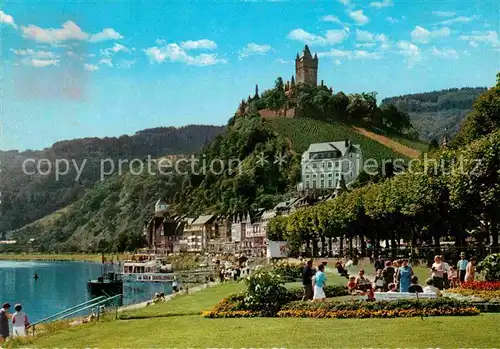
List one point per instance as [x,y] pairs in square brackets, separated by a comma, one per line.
[98,312]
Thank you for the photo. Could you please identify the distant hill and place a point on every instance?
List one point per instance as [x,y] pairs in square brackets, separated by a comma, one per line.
[437,113]
[110,215]
[26,198]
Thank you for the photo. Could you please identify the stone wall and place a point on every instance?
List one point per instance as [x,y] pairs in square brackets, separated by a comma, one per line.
[281,113]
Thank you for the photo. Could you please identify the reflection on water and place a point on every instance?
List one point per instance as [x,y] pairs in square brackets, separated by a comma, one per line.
[60,286]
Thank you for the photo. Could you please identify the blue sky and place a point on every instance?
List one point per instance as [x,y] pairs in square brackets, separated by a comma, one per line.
[74,69]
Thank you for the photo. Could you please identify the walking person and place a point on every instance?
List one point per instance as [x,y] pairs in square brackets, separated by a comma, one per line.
[462,267]
[319,284]
[404,276]
[4,323]
[470,273]
[20,322]
[307,275]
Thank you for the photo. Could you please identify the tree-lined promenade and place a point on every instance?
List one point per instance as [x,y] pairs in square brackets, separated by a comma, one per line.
[454,194]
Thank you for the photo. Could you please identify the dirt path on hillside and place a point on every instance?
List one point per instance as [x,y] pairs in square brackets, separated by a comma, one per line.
[396,146]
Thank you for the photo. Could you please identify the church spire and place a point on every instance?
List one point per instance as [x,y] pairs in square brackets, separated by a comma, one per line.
[256,91]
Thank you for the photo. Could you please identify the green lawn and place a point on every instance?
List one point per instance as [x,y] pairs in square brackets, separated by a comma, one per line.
[190,304]
[196,332]
[172,324]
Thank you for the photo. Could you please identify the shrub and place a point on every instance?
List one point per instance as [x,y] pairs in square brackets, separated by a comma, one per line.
[490,267]
[266,292]
[295,294]
[288,269]
[400,304]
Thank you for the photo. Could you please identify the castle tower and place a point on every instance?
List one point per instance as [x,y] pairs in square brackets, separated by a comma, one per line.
[306,68]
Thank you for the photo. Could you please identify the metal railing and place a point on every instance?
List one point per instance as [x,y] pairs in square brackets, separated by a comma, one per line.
[93,303]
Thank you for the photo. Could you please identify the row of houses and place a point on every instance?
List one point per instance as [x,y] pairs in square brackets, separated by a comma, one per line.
[239,234]
[326,168]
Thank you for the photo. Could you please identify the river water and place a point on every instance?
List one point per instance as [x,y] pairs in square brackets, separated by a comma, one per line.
[60,286]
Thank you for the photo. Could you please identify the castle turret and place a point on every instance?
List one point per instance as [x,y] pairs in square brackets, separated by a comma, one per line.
[306,68]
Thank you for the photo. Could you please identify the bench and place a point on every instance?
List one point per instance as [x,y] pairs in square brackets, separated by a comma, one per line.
[392,296]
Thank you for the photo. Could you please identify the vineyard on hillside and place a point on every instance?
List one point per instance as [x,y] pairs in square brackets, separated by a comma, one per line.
[303,131]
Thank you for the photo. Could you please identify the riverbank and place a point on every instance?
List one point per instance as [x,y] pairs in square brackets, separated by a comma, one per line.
[63,257]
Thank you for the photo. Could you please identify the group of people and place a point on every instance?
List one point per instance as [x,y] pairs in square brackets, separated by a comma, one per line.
[391,276]
[399,275]
[314,282]
[20,322]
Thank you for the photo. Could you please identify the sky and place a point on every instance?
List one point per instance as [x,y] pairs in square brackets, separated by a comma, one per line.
[73,69]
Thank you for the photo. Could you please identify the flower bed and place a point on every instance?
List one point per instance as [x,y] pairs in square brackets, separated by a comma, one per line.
[360,309]
[482,285]
[234,307]
[478,295]
[330,291]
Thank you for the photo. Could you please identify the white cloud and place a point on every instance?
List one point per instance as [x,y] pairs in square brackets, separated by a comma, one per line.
[362,35]
[174,53]
[446,53]
[335,53]
[461,19]
[40,63]
[345,2]
[423,36]
[7,19]
[69,31]
[126,64]
[359,17]
[336,36]
[366,45]
[357,54]
[337,62]
[106,34]
[392,19]
[90,67]
[199,44]
[108,52]
[34,54]
[489,37]
[106,61]
[253,49]
[473,44]
[443,13]
[411,51]
[331,37]
[381,4]
[331,19]
[282,61]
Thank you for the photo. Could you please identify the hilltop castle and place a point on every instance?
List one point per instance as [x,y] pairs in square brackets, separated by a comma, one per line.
[306,72]
[306,68]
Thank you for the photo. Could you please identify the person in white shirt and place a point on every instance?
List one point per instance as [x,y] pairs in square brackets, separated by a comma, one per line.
[430,288]
[19,322]
[438,272]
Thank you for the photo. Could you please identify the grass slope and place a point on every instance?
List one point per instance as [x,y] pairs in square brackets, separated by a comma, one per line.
[303,131]
[181,329]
